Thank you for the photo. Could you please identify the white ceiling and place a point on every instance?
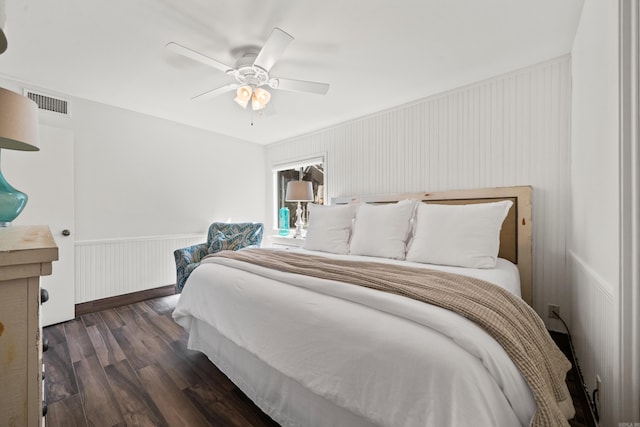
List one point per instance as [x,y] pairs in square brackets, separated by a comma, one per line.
[376,54]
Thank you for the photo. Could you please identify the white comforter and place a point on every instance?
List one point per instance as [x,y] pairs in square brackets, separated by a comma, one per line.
[391,360]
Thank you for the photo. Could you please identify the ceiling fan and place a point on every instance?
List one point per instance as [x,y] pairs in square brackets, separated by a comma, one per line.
[251,72]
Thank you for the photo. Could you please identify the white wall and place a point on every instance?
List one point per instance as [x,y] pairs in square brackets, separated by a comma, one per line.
[509,130]
[138,177]
[594,146]
[594,243]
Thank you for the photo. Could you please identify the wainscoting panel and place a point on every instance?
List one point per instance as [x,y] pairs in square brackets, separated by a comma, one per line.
[106,268]
[513,129]
[592,329]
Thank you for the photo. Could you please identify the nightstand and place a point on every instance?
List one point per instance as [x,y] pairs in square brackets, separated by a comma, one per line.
[286,242]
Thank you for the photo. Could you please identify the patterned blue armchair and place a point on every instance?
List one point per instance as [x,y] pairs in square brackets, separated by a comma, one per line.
[221,236]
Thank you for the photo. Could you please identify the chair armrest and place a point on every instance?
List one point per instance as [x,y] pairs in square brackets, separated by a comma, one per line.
[191,254]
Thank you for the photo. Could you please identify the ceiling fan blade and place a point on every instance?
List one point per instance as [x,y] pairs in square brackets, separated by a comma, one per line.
[192,54]
[215,92]
[274,47]
[299,86]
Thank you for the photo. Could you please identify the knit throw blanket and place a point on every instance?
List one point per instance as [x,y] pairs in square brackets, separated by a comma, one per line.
[507,318]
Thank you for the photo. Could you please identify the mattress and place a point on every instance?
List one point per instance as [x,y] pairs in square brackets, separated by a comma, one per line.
[306,349]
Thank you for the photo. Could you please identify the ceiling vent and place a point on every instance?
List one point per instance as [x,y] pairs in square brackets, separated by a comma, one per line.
[49,103]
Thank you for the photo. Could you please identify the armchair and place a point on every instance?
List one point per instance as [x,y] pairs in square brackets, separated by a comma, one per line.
[221,236]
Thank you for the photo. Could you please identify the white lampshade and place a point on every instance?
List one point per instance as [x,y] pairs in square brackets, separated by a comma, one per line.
[299,191]
[18,122]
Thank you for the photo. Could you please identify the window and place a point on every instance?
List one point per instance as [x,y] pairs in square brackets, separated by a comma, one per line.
[306,170]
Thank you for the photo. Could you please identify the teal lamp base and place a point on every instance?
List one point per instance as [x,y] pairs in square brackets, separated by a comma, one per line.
[12,202]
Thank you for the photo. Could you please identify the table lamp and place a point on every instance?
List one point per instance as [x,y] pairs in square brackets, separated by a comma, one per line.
[18,131]
[299,191]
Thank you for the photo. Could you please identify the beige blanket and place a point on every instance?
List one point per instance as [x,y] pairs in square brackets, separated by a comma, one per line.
[507,318]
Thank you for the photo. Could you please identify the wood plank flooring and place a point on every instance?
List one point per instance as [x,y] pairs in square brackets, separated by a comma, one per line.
[129,366]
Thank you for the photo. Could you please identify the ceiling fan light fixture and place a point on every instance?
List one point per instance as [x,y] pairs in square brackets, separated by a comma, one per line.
[243,94]
[260,99]
[256,104]
[263,95]
[251,71]
[241,102]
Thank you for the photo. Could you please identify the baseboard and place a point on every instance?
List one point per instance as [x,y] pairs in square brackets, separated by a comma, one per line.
[126,299]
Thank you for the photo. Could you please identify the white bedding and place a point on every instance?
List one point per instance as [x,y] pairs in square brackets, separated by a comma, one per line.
[505,274]
[386,359]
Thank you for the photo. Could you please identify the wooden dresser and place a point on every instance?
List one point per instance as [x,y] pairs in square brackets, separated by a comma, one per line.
[26,253]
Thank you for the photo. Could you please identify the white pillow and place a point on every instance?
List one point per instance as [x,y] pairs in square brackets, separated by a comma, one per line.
[382,230]
[458,235]
[329,228]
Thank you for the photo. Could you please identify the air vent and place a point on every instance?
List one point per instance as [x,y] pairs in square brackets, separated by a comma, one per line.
[49,103]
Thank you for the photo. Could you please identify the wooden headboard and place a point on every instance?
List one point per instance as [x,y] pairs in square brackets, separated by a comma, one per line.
[515,237]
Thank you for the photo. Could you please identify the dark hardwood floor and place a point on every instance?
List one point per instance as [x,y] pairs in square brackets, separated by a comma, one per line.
[130,366]
[584,417]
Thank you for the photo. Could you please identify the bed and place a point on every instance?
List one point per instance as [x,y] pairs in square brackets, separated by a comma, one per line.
[312,351]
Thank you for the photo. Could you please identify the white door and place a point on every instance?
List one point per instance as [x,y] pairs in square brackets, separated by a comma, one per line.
[46,176]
